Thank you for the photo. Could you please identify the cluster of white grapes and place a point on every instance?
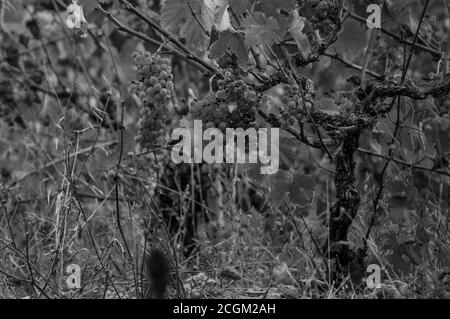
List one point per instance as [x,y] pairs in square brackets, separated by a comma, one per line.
[155,89]
[233,105]
[293,104]
[324,16]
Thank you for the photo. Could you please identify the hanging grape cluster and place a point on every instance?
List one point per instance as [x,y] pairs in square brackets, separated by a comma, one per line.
[293,104]
[233,105]
[443,106]
[325,16]
[155,89]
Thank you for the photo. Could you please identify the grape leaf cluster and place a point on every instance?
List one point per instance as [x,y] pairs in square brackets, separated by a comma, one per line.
[155,89]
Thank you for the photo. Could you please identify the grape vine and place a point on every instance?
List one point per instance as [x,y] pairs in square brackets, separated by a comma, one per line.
[356,92]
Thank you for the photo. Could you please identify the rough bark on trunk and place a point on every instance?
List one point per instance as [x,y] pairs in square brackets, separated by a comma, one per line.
[348,198]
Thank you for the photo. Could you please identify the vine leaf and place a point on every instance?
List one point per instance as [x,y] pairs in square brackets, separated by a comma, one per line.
[406,16]
[397,6]
[189,19]
[351,44]
[222,20]
[327,105]
[240,6]
[12,16]
[300,190]
[422,234]
[437,131]
[402,11]
[288,153]
[194,20]
[261,30]
[88,6]
[403,250]
[234,43]
[278,185]
[253,172]
[285,186]
[93,16]
[296,30]
[273,7]
[408,20]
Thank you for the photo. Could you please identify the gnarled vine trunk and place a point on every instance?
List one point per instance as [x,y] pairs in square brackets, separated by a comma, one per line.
[348,198]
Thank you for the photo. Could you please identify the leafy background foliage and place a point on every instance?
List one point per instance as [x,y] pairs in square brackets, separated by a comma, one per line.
[76,188]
